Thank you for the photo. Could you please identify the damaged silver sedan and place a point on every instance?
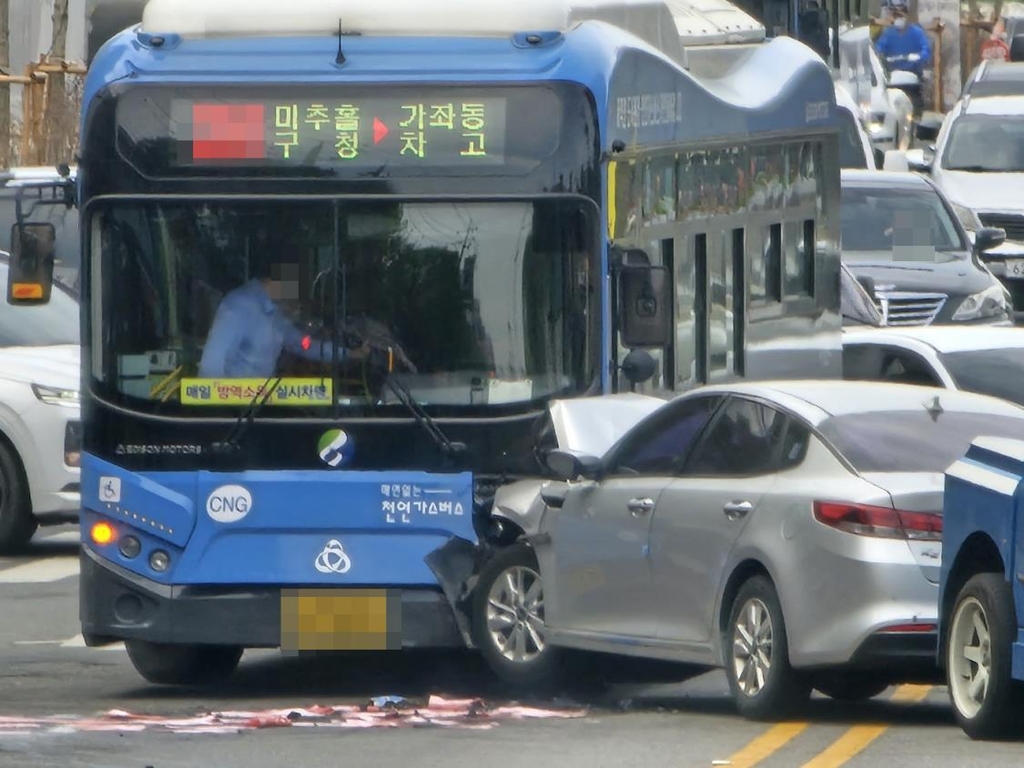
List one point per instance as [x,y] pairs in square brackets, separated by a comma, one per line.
[789,532]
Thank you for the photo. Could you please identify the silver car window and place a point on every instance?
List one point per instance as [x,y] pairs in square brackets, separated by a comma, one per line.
[912,441]
[744,440]
[662,445]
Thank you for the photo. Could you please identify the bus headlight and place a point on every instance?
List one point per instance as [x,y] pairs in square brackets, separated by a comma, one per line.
[130,547]
[159,561]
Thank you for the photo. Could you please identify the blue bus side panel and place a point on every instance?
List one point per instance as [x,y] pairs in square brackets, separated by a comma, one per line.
[281,527]
[782,87]
[984,494]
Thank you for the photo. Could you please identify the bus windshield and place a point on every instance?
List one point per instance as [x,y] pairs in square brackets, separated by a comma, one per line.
[479,302]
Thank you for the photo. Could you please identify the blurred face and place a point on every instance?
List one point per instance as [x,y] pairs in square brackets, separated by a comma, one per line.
[283,283]
[900,22]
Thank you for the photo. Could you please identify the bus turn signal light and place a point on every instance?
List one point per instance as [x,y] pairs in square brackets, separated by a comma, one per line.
[26,291]
[102,533]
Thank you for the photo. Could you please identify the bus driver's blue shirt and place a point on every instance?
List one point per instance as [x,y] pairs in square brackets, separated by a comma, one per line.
[249,331]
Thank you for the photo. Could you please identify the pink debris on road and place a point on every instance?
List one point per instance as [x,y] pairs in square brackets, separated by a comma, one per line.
[435,712]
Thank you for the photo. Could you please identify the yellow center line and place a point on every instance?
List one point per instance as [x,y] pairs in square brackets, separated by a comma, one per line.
[857,738]
[846,746]
[769,742]
[911,693]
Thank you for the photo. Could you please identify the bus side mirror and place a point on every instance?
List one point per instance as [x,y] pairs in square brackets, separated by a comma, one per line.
[30,274]
[645,303]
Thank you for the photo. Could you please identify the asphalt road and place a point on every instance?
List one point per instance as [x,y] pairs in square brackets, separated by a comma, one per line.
[62,704]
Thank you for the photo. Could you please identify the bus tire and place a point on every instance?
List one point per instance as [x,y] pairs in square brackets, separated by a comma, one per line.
[17,524]
[508,622]
[181,664]
[982,628]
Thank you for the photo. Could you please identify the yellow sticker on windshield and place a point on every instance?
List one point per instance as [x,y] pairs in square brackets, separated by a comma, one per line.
[285,391]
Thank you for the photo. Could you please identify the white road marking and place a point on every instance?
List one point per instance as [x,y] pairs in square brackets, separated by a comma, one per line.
[41,571]
[79,642]
[63,537]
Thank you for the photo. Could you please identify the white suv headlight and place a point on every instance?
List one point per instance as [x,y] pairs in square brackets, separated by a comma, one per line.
[56,396]
[967,217]
[988,303]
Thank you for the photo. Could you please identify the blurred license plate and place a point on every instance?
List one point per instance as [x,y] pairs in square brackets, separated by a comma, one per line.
[1015,268]
[340,620]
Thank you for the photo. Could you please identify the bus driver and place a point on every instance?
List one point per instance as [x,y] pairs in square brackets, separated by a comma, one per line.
[250,331]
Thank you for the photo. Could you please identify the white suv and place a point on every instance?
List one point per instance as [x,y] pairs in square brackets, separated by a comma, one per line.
[978,163]
[40,431]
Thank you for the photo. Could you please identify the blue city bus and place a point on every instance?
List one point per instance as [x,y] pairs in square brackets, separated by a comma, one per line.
[500,209]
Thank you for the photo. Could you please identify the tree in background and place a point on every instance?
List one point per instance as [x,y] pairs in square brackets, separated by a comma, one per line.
[59,121]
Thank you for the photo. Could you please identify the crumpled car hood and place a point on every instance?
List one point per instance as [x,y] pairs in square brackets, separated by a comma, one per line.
[594,424]
[587,424]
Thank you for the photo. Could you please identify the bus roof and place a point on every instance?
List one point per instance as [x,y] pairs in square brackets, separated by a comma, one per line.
[639,87]
[668,25]
[650,20]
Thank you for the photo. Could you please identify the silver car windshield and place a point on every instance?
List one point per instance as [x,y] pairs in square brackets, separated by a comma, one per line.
[912,441]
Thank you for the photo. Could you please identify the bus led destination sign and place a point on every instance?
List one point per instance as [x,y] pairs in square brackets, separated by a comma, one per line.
[429,130]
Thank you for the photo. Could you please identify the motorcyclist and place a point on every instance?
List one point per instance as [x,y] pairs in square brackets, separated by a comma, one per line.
[905,46]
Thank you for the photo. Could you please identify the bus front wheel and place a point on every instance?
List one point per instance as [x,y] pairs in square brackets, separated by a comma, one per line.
[178,664]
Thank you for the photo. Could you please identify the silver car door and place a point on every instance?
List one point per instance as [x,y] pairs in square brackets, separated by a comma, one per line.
[702,514]
[598,553]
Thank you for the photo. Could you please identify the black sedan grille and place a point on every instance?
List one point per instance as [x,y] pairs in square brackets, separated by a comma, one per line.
[904,308]
[1012,223]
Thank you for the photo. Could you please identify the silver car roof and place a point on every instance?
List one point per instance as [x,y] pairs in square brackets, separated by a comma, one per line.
[817,400]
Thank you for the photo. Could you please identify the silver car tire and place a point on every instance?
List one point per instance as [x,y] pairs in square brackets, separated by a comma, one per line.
[979,639]
[508,621]
[182,664]
[756,652]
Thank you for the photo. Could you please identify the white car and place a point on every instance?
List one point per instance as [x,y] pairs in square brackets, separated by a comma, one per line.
[855,150]
[886,112]
[40,429]
[985,360]
[978,163]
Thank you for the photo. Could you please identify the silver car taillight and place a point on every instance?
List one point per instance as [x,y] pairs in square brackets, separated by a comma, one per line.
[880,522]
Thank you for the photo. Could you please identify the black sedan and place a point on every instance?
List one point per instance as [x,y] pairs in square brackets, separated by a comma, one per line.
[900,235]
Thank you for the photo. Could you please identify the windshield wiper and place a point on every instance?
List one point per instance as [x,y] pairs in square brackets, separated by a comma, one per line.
[449,448]
[232,441]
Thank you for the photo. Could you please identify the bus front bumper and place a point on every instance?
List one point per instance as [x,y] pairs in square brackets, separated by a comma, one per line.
[116,604]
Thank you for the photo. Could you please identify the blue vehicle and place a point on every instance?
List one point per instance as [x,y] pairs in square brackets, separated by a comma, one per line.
[982,587]
[495,209]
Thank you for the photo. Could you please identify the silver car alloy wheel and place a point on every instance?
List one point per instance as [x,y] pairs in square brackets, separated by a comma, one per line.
[970,657]
[752,643]
[515,614]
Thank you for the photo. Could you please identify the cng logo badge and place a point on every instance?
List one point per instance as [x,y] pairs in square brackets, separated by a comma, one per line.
[336,448]
[229,504]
